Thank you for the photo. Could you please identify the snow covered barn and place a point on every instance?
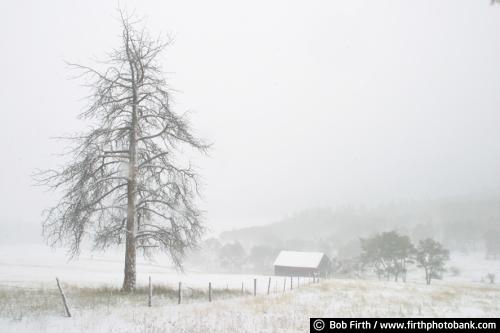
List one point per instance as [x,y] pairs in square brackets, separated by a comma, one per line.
[293,263]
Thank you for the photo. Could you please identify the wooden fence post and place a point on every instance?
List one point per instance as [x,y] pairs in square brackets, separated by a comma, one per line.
[180,292]
[255,287]
[150,292]
[298,281]
[63,298]
[291,282]
[269,286]
[284,284]
[210,291]
[242,290]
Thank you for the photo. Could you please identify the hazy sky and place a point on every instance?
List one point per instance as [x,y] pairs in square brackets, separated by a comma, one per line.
[307,103]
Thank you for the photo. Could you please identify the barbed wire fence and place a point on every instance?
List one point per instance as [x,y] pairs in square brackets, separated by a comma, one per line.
[68,298]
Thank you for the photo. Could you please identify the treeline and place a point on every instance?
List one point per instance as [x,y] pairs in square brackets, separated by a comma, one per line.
[214,256]
[461,224]
[388,254]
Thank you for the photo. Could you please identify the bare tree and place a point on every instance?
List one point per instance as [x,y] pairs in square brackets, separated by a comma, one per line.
[127,180]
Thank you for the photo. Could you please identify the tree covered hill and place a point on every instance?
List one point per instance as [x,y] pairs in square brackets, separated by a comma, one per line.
[461,223]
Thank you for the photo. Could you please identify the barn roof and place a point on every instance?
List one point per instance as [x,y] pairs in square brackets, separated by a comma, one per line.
[299,259]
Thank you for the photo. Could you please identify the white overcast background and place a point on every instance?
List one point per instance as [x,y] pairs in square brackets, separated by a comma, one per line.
[308,103]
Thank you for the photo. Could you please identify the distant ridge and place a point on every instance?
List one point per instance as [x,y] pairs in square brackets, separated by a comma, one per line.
[346,223]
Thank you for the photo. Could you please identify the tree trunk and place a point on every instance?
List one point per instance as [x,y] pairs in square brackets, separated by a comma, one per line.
[403,270]
[129,279]
[130,256]
[130,245]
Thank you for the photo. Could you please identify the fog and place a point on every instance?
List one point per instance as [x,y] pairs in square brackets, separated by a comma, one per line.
[307,105]
[348,155]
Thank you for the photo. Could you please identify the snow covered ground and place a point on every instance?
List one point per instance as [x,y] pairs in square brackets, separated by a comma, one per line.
[38,265]
[280,313]
[472,267]
[459,294]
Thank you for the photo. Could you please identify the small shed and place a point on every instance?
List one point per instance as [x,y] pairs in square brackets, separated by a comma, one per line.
[295,263]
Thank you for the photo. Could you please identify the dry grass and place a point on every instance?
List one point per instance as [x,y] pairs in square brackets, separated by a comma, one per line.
[17,303]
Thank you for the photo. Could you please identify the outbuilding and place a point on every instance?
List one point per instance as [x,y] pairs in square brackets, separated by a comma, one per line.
[296,263]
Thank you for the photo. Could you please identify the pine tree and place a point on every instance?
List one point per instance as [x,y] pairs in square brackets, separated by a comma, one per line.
[127,181]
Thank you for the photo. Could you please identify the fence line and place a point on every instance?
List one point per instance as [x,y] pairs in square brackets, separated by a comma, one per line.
[225,286]
[213,290]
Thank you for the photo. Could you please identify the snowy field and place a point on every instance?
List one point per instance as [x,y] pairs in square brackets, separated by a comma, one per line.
[279,313]
[38,265]
[25,280]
